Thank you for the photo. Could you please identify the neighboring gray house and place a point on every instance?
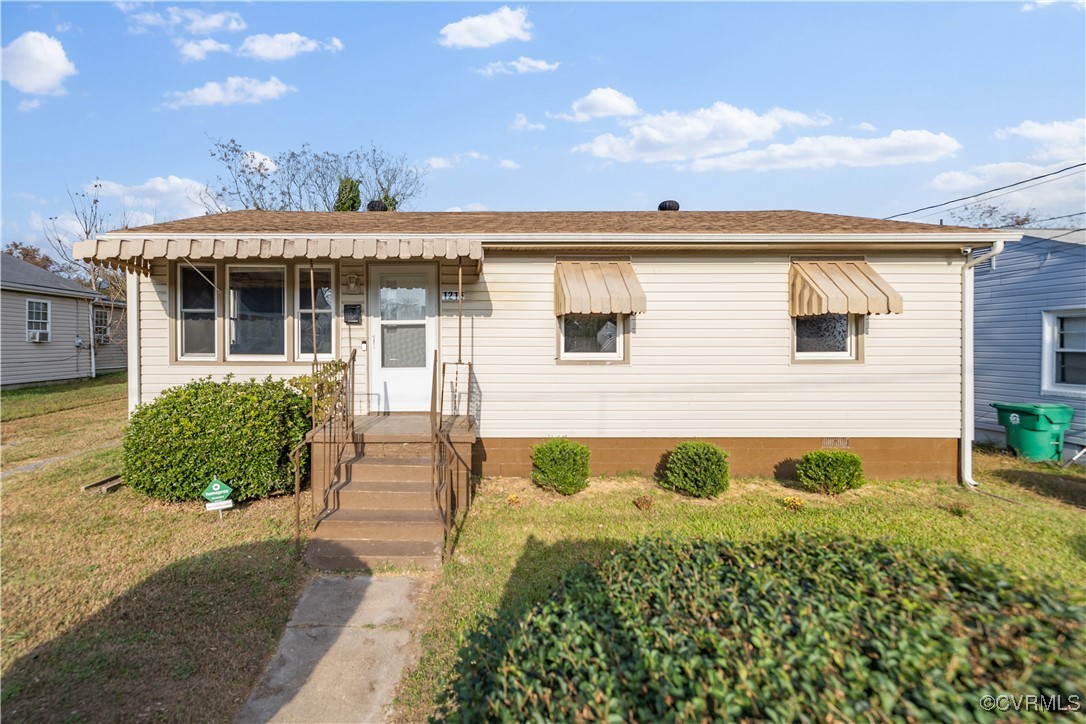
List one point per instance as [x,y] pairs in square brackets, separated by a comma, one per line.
[54,329]
[1030,328]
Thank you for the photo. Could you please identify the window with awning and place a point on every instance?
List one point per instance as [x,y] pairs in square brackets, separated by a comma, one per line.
[592,300]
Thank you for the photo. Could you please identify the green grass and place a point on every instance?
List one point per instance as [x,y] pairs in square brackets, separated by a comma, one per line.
[118,607]
[518,540]
[26,402]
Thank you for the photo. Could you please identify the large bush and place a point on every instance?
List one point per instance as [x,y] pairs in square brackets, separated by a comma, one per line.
[241,432]
[561,465]
[800,627]
[697,468]
[830,471]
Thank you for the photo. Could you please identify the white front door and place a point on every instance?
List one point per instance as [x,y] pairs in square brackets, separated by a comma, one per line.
[403,336]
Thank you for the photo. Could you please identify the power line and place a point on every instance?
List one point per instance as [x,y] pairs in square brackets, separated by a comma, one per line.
[982,193]
[1054,218]
[996,196]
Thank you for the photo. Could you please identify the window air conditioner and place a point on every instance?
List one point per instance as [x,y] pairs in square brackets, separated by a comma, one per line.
[37,336]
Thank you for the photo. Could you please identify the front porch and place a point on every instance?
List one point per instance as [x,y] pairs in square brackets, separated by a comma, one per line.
[393,495]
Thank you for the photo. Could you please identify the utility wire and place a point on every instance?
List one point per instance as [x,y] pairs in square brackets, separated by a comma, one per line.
[996,196]
[982,193]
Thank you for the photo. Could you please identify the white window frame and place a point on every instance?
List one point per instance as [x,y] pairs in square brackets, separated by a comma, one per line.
[286,314]
[620,343]
[1050,335]
[300,271]
[48,318]
[849,354]
[101,331]
[203,270]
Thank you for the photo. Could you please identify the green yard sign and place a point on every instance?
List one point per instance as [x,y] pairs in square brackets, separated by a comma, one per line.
[217,491]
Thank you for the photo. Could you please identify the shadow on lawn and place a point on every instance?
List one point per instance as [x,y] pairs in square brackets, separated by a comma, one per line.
[1055,484]
[187,643]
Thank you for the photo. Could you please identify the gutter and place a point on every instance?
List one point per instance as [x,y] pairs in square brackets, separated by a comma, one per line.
[968,412]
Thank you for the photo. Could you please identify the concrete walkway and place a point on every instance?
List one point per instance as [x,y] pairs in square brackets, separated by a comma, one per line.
[342,655]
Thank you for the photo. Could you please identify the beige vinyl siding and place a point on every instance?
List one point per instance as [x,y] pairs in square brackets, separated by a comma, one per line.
[23,362]
[711,356]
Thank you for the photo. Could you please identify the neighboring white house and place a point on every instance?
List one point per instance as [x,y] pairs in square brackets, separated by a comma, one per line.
[1031,328]
[54,329]
[770,333]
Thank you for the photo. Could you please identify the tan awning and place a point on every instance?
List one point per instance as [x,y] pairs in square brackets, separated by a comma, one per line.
[136,254]
[597,287]
[839,287]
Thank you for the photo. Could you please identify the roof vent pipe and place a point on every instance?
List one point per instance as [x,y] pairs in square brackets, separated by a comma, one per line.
[377,205]
[668,206]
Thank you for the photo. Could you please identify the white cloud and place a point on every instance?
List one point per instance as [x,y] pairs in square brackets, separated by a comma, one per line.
[193,50]
[520,65]
[436,163]
[1059,140]
[601,103]
[469,207]
[158,198]
[509,164]
[198,22]
[678,137]
[258,161]
[30,104]
[865,126]
[483,31]
[899,147]
[521,123]
[236,90]
[1061,195]
[63,27]
[36,63]
[284,45]
[1039,4]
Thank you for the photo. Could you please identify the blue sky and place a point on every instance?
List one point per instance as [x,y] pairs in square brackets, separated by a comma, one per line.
[869,109]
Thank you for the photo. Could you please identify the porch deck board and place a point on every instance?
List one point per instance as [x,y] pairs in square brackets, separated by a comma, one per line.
[409,427]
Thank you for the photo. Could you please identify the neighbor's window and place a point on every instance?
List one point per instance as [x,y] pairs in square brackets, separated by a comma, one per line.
[591,337]
[196,317]
[101,326]
[315,301]
[826,336]
[1063,370]
[257,311]
[37,320]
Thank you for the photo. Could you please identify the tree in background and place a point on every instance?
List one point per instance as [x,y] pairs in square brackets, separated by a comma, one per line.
[32,255]
[349,197]
[305,180]
[992,216]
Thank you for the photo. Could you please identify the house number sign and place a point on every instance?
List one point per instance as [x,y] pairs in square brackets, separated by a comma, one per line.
[451,296]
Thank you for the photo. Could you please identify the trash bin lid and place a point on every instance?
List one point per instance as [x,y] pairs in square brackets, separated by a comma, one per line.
[1055,412]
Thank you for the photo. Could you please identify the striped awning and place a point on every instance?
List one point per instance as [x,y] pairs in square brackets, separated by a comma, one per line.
[597,287]
[839,287]
[136,254]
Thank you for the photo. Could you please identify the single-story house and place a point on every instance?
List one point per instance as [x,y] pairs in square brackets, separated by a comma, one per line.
[1031,329]
[771,333]
[55,329]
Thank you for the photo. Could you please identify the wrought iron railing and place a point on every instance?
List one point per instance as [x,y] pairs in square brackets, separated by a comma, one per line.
[331,397]
[451,473]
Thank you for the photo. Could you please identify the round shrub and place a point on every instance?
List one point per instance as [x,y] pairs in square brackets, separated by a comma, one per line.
[697,468]
[561,465]
[800,627]
[830,471]
[241,432]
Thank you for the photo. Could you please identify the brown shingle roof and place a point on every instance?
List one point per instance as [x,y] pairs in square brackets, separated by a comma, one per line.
[535,222]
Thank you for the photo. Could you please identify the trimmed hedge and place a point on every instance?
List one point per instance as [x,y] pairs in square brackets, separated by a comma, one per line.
[241,432]
[697,468]
[561,465]
[799,627]
[830,471]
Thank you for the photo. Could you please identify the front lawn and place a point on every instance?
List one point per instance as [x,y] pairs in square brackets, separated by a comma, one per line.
[519,540]
[118,607]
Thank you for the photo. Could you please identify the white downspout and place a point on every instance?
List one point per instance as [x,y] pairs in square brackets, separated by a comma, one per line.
[132,319]
[968,413]
[90,307]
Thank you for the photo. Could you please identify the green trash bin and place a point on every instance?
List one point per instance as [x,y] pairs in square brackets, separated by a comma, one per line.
[1035,430]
